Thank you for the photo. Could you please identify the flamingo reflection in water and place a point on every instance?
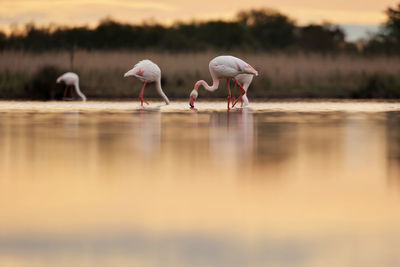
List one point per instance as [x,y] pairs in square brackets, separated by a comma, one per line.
[231,136]
[148,135]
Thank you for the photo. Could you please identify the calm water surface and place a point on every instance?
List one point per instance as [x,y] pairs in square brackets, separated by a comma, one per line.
[281,184]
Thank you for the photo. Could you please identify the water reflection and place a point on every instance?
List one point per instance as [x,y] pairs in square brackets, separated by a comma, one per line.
[231,137]
[393,147]
[206,188]
[196,249]
[147,133]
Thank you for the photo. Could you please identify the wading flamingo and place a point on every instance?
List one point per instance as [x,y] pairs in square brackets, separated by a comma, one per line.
[71,80]
[147,72]
[224,67]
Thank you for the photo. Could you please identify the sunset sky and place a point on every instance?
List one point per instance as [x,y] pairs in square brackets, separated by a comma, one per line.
[356,15]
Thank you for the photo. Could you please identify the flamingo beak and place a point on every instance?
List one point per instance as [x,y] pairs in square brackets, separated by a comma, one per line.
[129,73]
[191,102]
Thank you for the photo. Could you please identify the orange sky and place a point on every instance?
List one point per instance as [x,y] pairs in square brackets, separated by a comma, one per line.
[77,12]
[90,11]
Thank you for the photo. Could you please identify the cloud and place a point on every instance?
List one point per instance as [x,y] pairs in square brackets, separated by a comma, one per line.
[75,12]
[148,5]
[78,12]
[18,18]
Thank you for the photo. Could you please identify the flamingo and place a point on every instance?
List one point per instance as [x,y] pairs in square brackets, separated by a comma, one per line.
[224,67]
[147,71]
[71,80]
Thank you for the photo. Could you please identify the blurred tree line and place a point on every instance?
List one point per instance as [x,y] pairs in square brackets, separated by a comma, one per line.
[260,30]
[386,41]
[256,29]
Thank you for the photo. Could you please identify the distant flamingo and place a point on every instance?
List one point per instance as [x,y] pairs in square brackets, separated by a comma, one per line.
[71,80]
[224,67]
[147,72]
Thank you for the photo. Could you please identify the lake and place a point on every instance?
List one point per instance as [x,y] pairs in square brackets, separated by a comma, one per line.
[276,184]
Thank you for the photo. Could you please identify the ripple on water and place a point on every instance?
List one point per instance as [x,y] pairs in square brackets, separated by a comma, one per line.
[287,106]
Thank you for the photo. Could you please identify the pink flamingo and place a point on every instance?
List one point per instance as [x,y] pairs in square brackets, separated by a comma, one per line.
[71,80]
[147,72]
[224,67]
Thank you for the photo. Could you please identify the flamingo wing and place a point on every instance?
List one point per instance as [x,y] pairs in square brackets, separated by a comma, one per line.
[69,78]
[230,66]
[223,67]
[146,70]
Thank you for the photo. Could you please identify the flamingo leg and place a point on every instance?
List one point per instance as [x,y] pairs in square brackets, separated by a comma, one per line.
[229,92]
[65,91]
[243,92]
[141,95]
[72,92]
[233,94]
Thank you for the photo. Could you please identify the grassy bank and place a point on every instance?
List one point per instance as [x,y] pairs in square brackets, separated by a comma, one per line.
[32,76]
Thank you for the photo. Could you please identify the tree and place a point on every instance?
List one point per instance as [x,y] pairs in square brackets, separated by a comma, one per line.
[388,39]
[3,39]
[321,38]
[270,28]
[392,24]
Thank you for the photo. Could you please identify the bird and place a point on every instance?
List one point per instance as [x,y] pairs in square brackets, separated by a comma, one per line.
[147,72]
[71,80]
[224,67]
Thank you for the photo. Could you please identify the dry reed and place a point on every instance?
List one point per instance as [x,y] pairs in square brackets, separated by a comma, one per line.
[280,74]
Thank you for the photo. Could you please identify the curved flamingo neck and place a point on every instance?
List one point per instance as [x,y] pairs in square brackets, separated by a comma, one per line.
[161,92]
[79,92]
[213,87]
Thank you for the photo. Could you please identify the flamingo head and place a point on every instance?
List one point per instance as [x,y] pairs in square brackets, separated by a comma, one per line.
[59,80]
[129,73]
[193,96]
[250,70]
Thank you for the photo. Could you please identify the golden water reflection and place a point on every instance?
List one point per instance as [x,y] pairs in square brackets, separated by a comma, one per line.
[150,188]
